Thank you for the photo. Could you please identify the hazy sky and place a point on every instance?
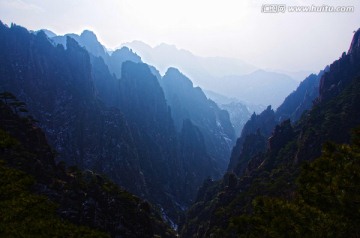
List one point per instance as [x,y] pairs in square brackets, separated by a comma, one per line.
[231,28]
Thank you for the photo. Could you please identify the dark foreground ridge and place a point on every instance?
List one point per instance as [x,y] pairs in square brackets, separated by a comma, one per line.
[40,198]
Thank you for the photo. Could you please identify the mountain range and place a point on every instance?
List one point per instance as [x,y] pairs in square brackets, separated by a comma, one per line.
[292,175]
[96,143]
[109,114]
[227,76]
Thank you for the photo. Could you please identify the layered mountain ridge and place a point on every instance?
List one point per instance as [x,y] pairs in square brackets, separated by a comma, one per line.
[188,102]
[227,76]
[270,193]
[160,138]
[260,127]
[109,113]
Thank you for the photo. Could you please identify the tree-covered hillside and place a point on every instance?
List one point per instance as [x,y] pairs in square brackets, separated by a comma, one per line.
[294,188]
[42,198]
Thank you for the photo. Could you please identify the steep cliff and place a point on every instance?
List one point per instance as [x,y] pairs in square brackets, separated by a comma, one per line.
[190,103]
[270,198]
[43,198]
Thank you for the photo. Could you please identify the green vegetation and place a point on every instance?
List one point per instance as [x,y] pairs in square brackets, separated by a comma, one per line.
[277,197]
[326,203]
[39,198]
[25,214]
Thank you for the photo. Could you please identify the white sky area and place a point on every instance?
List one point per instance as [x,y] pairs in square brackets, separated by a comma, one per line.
[228,28]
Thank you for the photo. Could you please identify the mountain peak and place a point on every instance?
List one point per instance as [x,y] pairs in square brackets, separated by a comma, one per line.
[173,73]
[137,45]
[173,70]
[89,35]
[167,46]
[355,43]
[124,49]
[49,33]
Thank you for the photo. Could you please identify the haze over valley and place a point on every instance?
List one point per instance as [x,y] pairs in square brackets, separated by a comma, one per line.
[179,119]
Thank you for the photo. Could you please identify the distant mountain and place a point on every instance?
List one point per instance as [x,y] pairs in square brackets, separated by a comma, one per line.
[231,77]
[164,56]
[239,111]
[259,87]
[219,98]
[296,75]
[190,103]
[222,75]
[49,33]
[89,40]
[303,180]
[118,57]
[239,115]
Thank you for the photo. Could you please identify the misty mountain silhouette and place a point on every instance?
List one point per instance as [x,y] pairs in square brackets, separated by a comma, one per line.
[231,77]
